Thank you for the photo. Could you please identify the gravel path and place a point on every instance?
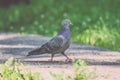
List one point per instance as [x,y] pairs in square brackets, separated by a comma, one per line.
[106,62]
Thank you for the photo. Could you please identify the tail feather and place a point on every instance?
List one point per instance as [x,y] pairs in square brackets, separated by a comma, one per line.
[35,52]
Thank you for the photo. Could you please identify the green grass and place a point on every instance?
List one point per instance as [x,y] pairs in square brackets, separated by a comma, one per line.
[13,70]
[95,22]
[80,72]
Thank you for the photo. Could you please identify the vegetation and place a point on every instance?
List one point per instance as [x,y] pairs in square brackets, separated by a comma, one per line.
[95,22]
[13,70]
[80,72]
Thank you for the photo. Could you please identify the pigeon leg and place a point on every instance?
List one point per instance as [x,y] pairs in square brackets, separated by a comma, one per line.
[52,55]
[68,59]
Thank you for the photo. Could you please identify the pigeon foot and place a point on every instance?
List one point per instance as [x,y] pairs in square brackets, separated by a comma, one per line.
[68,60]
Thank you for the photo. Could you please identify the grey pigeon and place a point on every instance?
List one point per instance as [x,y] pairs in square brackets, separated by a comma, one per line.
[57,44]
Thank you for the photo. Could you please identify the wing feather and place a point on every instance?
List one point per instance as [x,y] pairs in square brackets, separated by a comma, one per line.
[54,44]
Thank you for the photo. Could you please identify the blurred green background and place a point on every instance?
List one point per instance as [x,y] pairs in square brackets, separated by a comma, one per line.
[96,22]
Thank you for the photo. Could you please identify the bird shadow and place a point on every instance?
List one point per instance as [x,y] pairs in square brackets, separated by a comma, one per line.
[48,63]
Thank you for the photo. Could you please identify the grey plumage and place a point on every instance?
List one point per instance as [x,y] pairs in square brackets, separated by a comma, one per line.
[57,44]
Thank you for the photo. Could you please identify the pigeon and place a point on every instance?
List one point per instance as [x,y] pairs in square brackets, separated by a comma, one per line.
[58,44]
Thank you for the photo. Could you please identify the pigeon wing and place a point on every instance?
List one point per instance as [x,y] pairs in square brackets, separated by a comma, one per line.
[53,45]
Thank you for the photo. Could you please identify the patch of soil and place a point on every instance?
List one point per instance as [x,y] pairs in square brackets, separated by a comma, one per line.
[106,62]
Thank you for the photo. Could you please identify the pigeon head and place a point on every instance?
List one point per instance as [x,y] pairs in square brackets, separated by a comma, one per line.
[66,22]
[65,30]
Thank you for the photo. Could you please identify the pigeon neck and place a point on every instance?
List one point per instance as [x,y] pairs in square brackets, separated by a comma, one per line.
[65,32]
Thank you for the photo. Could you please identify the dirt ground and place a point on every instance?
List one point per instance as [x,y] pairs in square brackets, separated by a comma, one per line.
[106,62]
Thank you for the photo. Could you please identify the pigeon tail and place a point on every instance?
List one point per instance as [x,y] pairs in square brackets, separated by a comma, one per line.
[35,52]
